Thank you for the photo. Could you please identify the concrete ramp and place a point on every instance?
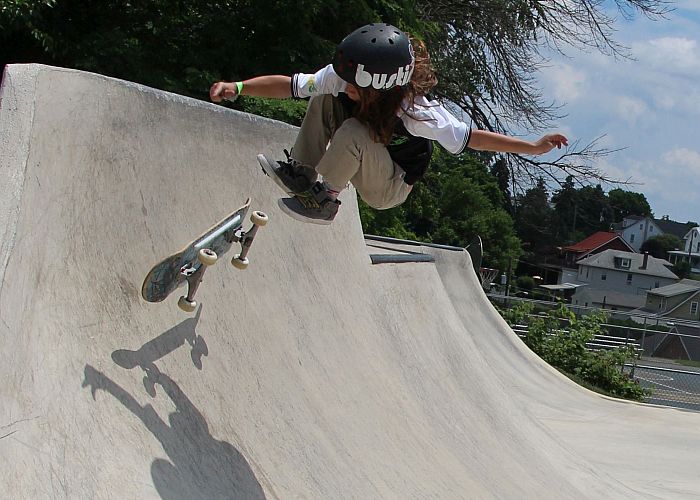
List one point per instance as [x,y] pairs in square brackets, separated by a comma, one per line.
[312,374]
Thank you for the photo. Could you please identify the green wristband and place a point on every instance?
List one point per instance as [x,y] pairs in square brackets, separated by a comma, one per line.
[239,87]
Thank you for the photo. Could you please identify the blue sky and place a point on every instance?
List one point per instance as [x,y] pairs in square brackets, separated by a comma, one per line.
[649,105]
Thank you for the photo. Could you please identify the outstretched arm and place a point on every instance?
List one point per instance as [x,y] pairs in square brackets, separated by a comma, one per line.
[483,140]
[278,86]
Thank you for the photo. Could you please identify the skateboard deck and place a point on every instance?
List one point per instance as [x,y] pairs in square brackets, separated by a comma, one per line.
[190,263]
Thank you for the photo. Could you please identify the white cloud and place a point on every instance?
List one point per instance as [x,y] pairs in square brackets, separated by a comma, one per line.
[679,55]
[691,5]
[684,164]
[670,182]
[567,82]
[631,109]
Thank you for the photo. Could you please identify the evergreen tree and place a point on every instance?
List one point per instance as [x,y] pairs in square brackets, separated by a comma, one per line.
[533,221]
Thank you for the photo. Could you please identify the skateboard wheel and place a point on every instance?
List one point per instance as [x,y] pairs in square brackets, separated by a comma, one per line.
[186,305]
[207,257]
[239,263]
[259,218]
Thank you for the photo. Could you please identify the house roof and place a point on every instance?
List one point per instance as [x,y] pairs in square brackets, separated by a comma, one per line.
[610,298]
[687,233]
[680,288]
[679,229]
[606,260]
[594,241]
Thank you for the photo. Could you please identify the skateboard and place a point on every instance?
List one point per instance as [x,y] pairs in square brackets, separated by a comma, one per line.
[190,263]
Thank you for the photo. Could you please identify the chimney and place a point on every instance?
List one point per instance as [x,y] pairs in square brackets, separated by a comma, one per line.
[646,260]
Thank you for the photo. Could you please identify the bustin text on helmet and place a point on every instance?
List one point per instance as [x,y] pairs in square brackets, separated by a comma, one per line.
[382,81]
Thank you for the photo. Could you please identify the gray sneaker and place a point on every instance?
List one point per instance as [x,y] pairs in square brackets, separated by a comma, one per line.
[291,176]
[314,206]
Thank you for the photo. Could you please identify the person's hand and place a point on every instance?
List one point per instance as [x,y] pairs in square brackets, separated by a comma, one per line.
[549,142]
[223,90]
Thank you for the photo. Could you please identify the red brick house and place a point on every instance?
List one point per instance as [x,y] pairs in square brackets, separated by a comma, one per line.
[596,243]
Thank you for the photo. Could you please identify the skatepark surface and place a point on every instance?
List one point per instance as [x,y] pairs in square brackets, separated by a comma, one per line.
[313,374]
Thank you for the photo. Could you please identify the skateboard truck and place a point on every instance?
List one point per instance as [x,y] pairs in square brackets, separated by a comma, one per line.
[193,273]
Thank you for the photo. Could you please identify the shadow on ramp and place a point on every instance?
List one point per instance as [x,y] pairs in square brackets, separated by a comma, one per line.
[164,344]
[199,466]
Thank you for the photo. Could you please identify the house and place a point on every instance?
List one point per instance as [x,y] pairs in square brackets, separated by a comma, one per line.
[680,300]
[690,252]
[596,243]
[619,280]
[635,229]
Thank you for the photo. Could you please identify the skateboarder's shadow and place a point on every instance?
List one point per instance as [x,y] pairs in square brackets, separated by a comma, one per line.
[163,345]
[199,466]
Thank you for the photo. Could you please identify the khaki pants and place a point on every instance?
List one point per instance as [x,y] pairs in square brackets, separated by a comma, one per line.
[352,155]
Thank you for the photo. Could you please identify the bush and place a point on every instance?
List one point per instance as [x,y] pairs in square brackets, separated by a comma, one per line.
[682,269]
[560,339]
[526,283]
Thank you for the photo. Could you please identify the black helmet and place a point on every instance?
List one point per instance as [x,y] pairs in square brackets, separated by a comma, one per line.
[379,56]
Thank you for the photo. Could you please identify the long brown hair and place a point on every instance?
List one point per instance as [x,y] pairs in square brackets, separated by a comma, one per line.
[378,110]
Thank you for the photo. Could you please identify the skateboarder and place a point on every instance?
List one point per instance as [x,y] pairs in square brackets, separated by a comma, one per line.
[370,104]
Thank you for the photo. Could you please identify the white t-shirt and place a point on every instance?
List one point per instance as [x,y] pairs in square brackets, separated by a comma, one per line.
[428,119]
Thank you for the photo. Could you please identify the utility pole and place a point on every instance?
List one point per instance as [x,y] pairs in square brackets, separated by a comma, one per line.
[690,249]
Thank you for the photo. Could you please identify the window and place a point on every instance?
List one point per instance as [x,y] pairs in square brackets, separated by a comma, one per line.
[622,262]
[651,229]
[588,272]
[641,227]
[629,278]
[632,238]
[603,277]
[656,284]
[693,308]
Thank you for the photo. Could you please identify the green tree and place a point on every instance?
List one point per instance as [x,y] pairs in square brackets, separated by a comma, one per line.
[625,203]
[565,203]
[457,200]
[682,269]
[183,46]
[500,171]
[593,210]
[533,220]
[579,212]
[659,246]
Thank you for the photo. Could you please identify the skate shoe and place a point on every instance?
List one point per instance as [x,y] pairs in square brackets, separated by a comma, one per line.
[314,206]
[291,176]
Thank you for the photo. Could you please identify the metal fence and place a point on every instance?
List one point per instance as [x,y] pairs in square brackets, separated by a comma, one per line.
[666,338]
[669,387]
[656,343]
